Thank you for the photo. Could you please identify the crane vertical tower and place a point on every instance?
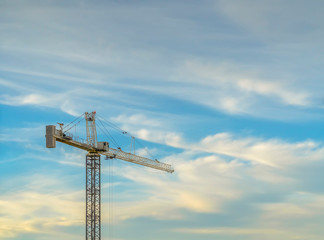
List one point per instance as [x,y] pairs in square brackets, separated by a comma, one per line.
[93,182]
[93,167]
[93,197]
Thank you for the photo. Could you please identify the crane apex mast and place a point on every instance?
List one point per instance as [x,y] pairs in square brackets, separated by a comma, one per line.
[91,128]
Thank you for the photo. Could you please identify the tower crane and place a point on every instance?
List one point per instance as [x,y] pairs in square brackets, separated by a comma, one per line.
[93,166]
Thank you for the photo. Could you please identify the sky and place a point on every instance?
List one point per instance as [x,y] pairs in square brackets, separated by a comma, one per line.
[229,92]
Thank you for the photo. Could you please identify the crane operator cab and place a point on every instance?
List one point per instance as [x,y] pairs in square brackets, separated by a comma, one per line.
[103,146]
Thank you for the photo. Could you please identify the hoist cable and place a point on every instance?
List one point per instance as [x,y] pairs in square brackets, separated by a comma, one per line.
[108,137]
[106,132]
[73,121]
[111,199]
[105,122]
[112,125]
[145,149]
[128,134]
[74,125]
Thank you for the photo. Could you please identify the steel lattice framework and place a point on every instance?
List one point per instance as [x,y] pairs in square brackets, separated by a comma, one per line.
[93,197]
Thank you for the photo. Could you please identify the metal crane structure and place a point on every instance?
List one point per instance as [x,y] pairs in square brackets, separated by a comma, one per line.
[93,166]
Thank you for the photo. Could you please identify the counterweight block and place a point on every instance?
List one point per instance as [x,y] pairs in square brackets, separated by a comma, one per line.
[50,139]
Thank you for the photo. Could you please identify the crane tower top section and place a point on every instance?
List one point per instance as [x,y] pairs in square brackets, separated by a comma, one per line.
[91,128]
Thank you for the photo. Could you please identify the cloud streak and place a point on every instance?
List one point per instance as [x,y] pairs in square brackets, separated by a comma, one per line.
[75,69]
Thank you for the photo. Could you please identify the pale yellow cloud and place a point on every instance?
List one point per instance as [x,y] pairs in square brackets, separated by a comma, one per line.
[38,206]
[300,205]
[231,231]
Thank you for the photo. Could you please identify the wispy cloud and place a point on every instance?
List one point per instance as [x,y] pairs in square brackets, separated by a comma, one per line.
[271,152]
[286,28]
[298,205]
[119,68]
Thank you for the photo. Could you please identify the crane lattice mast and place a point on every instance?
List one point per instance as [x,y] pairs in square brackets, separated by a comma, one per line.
[93,165]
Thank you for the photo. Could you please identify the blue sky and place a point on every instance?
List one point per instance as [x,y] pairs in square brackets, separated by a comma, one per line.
[229,92]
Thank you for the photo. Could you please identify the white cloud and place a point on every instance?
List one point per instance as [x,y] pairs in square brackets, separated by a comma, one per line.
[275,89]
[38,206]
[211,185]
[150,129]
[274,152]
[230,88]
[59,100]
[219,170]
[277,21]
[137,120]
[167,195]
[300,205]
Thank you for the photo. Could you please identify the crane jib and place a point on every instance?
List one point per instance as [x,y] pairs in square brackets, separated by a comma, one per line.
[53,135]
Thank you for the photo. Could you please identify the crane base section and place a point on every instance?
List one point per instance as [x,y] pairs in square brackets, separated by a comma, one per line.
[93,197]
